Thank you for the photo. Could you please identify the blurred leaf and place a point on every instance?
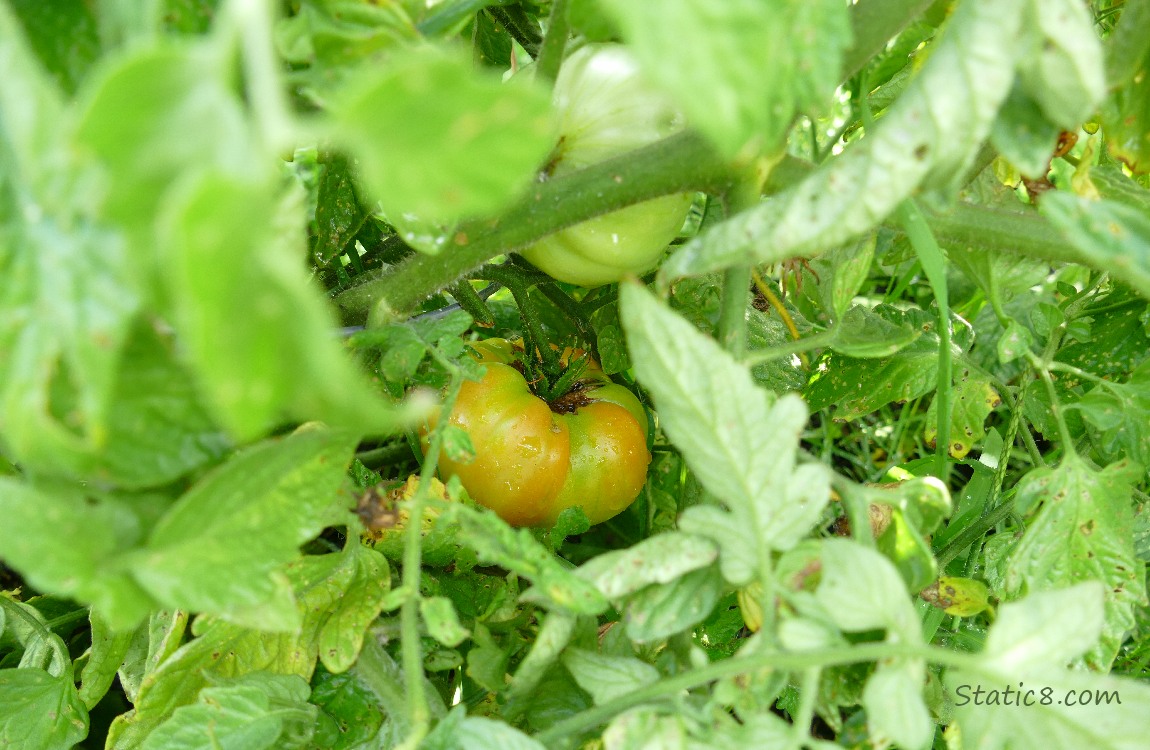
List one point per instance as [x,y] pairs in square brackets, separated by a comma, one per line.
[63,34]
[1111,236]
[1023,135]
[255,712]
[158,429]
[608,677]
[1081,533]
[1063,68]
[736,437]
[441,141]
[461,732]
[661,610]
[247,517]
[662,558]
[743,68]
[258,335]
[1066,710]
[842,272]
[331,37]
[441,620]
[39,711]
[941,120]
[71,543]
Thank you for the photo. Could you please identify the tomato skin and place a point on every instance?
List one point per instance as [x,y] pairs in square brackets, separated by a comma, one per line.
[531,462]
[606,109]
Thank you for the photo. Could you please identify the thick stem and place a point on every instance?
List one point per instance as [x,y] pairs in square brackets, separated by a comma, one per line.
[682,163]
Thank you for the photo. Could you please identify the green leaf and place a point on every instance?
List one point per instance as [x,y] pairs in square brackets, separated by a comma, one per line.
[741,69]
[158,428]
[439,140]
[442,621]
[1082,533]
[1063,68]
[152,643]
[1023,135]
[661,610]
[662,558]
[247,517]
[223,650]
[338,212]
[109,648]
[258,336]
[1121,414]
[1126,116]
[842,272]
[1111,236]
[39,711]
[863,333]
[1067,709]
[254,712]
[64,36]
[860,590]
[364,578]
[608,677]
[973,399]
[940,121]
[351,704]
[495,542]
[71,543]
[738,440]
[860,386]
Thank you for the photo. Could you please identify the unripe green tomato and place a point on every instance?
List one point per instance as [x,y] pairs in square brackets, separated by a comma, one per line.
[607,109]
[534,459]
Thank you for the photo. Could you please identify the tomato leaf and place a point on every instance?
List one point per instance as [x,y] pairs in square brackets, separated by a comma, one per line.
[741,69]
[39,711]
[942,119]
[736,437]
[1081,533]
[1110,235]
[439,140]
[607,677]
[249,517]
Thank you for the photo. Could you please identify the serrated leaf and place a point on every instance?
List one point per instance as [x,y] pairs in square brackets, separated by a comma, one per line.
[930,133]
[607,677]
[256,712]
[1111,236]
[351,704]
[738,440]
[39,711]
[1081,533]
[224,650]
[1049,708]
[248,517]
[439,140]
[107,653]
[741,69]
[495,542]
[658,559]
[282,359]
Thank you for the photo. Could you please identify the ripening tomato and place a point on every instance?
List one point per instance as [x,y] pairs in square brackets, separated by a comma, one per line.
[607,109]
[533,459]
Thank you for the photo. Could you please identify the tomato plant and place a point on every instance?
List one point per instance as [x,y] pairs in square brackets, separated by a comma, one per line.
[261,265]
[586,447]
[606,108]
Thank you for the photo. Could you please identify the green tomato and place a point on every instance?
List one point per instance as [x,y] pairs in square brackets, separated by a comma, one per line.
[607,109]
